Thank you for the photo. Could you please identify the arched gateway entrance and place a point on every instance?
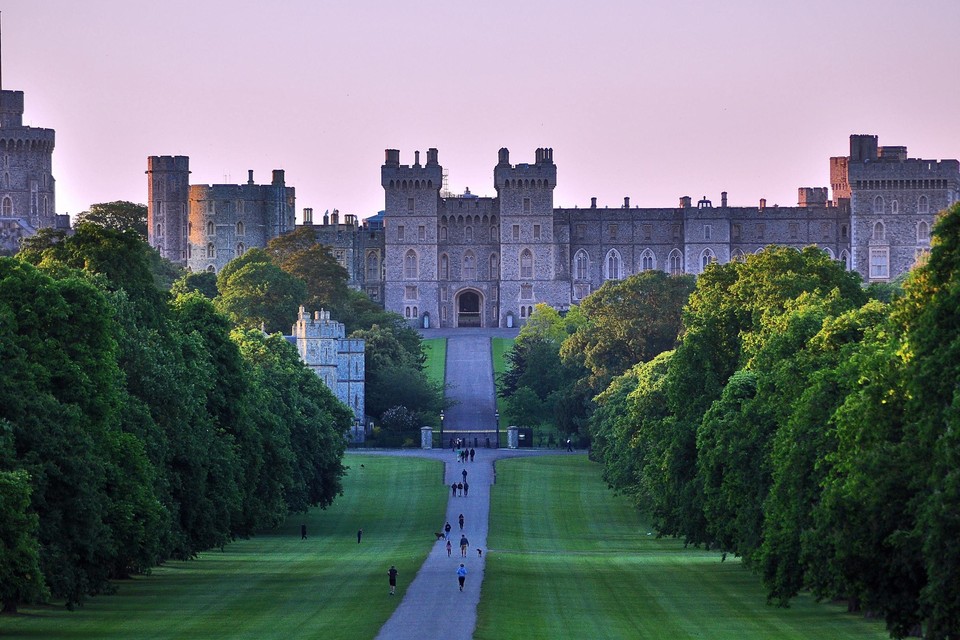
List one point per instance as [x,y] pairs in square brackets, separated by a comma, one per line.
[468,309]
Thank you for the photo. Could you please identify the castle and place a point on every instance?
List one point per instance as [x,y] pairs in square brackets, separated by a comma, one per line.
[26,180]
[468,261]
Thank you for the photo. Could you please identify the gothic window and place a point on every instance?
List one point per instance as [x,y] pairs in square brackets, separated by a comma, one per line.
[612,265]
[373,266]
[581,291]
[400,233]
[878,231]
[494,236]
[647,231]
[894,206]
[923,231]
[406,312]
[443,232]
[923,205]
[410,266]
[735,231]
[738,256]
[523,311]
[469,266]
[416,312]
[159,230]
[516,232]
[444,267]
[844,232]
[240,229]
[526,205]
[410,206]
[647,261]
[211,251]
[706,257]
[581,266]
[468,234]
[526,264]
[240,248]
[707,232]
[421,233]
[879,262]
[613,230]
[6,180]
[845,259]
[494,267]
[878,205]
[676,262]
[536,232]
[210,229]
[211,268]
[829,252]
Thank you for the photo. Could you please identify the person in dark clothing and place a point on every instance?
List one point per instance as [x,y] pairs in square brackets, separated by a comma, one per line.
[569,445]
[473,452]
[464,543]
[464,474]
[303,532]
[392,573]
[466,489]
[446,530]
[460,488]
[359,535]
[453,489]
[461,522]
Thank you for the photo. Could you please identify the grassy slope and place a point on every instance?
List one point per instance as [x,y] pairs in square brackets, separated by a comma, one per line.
[500,347]
[436,365]
[276,585]
[569,560]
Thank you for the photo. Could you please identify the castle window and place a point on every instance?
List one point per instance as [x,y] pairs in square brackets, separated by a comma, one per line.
[211,230]
[878,205]
[738,256]
[581,266]
[444,267]
[494,236]
[878,231]
[211,268]
[443,294]
[240,229]
[526,205]
[416,312]
[421,233]
[526,292]
[400,233]
[410,207]
[613,230]
[406,312]
[469,266]
[373,266]
[647,231]
[240,248]
[794,230]
[410,266]
[612,265]
[516,232]
[676,262]
[523,311]
[494,267]
[189,251]
[761,230]
[844,232]
[825,230]
[341,256]
[443,233]
[923,205]
[581,291]
[526,264]
[6,180]
[410,292]
[894,206]
[647,262]
[735,231]
[189,228]
[879,262]
[923,232]
[676,232]
[159,230]
[829,252]
[468,234]
[845,259]
[581,231]
[536,232]
[211,251]
[443,314]
[706,258]
[46,206]
[707,232]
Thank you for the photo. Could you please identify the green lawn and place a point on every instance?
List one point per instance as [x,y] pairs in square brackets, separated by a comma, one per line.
[277,585]
[567,559]
[436,365]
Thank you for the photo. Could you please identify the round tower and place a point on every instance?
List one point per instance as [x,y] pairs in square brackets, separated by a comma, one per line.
[168,187]
[26,161]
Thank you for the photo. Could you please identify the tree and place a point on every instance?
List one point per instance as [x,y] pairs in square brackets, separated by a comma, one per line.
[203,282]
[298,254]
[254,292]
[21,581]
[119,216]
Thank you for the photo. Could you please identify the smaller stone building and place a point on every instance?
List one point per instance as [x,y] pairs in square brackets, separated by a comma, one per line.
[338,361]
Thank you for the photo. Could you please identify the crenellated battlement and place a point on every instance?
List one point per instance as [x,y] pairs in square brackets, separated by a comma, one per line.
[542,174]
[415,177]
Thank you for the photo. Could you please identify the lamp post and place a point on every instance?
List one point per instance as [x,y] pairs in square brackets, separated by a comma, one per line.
[441,428]
[356,430]
[496,415]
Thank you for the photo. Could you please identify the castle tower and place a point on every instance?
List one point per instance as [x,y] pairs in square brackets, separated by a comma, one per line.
[26,160]
[412,198]
[338,362]
[530,270]
[168,179]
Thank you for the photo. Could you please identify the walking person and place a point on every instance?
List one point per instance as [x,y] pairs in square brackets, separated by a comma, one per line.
[359,535]
[464,543]
[466,489]
[392,573]
[449,548]
[461,522]
[461,575]
[569,446]
[460,488]
[453,489]
[473,452]
[464,474]
[446,530]
[303,532]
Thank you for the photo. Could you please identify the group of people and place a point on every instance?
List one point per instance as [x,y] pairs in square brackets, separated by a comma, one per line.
[460,488]
[466,455]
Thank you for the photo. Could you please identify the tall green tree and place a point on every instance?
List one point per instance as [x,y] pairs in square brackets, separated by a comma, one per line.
[254,292]
[119,215]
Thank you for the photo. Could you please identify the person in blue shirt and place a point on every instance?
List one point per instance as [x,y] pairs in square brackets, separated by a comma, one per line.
[461,575]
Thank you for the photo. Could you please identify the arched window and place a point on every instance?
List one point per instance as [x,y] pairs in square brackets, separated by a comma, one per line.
[240,228]
[581,265]
[923,231]
[878,231]
[493,234]
[738,256]
[468,234]
[211,268]
[443,232]
[526,264]
[647,261]
[159,230]
[676,262]
[523,311]
[706,257]
[373,266]
[612,265]
[845,259]
[240,248]
[494,267]
[469,266]
[211,251]
[46,206]
[844,232]
[410,266]
[210,229]
[444,267]
[878,205]
[923,205]
[829,252]
[894,206]
[7,206]
[189,251]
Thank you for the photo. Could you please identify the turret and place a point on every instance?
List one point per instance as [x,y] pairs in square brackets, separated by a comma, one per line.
[168,179]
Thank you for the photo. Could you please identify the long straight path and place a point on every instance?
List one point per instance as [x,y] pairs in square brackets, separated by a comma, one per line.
[469,379]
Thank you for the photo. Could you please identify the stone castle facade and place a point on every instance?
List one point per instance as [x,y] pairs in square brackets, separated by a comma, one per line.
[27,187]
[337,361]
[468,261]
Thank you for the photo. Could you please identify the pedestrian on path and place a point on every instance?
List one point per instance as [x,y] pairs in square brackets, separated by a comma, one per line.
[472,453]
[393,579]
[464,474]
[461,575]
[449,549]
[453,489]
[461,522]
[446,530]
[464,543]
[460,488]
[359,535]
[466,489]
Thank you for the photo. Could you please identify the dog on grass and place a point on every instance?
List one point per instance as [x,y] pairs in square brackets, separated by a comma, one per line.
[439,535]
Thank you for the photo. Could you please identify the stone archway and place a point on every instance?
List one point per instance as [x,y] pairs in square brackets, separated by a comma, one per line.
[469,305]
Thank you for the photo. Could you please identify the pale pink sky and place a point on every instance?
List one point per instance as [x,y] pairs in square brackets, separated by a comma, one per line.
[652,100]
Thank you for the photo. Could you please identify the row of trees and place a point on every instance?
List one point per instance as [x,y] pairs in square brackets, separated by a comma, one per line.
[136,426]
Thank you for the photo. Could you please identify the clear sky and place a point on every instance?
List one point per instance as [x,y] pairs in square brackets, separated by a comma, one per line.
[647,99]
